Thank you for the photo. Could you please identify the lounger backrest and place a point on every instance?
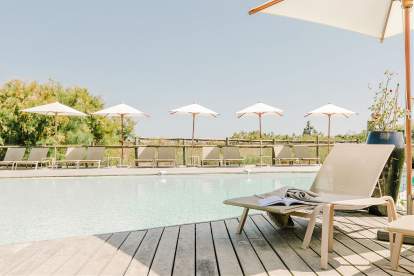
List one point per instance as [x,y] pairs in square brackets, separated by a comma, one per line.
[166,153]
[211,153]
[14,154]
[282,151]
[352,169]
[146,153]
[231,153]
[95,153]
[75,154]
[37,154]
[304,152]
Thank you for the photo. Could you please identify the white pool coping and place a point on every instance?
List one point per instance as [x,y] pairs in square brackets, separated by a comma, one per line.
[28,173]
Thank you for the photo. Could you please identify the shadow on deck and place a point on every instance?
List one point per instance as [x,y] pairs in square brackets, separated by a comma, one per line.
[212,248]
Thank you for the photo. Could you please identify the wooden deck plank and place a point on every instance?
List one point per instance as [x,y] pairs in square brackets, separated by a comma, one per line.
[226,257]
[205,255]
[270,260]
[48,249]
[69,248]
[357,261]
[292,260]
[121,260]
[142,260]
[164,257]
[354,231]
[75,262]
[335,260]
[309,256]
[184,264]
[249,260]
[102,257]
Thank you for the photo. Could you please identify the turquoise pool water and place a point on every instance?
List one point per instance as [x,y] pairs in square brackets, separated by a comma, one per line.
[48,208]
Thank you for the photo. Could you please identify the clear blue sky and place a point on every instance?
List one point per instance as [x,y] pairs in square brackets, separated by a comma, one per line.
[158,55]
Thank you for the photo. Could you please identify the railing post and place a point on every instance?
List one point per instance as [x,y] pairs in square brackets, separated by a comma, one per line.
[184,154]
[317,148]
[136,147]
[227,141]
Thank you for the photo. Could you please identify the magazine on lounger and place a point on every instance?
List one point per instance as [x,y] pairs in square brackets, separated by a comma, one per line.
[280,201]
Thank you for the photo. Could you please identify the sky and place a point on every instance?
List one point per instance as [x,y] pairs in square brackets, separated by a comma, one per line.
[159,55]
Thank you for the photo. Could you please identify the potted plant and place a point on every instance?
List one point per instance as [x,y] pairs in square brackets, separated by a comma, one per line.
[384,129]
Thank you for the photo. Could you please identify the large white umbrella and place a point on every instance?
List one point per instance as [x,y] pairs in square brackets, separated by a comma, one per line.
[194,110]
[54,109]
[330,110]
[122,111]
[376,18]
[260,110]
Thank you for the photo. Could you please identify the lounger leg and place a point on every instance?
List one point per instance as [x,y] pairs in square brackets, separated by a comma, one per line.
[391,210]
[331,228]
[242,220]
[326,228]
[395,249]
[311,227]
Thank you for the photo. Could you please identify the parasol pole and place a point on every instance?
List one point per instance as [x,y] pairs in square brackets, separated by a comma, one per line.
[407,5]
[192,139]
[122,139]
[56,133]
[329,131]
[260,135]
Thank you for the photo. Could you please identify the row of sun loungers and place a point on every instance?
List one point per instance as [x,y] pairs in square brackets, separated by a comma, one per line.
[150,157]
[92,156]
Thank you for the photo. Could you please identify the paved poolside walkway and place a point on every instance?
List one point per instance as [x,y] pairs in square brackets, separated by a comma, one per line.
[150,171]
[211,248]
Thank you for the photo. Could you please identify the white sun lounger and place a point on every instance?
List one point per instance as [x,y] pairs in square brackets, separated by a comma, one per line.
[166,156]
[211,155]
[231,155]
[283,153]
[73,157]
[146,155]
[306,154]
[94,156]
[346,181]
[37,156]
[12,155]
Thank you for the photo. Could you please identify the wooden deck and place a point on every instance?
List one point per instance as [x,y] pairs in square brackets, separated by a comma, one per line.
[211,248]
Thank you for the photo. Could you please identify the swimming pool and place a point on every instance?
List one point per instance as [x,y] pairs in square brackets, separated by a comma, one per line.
[48,208]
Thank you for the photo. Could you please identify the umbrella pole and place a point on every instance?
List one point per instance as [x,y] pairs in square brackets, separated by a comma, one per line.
[192,140]
[56,133]
[407,5]
[260,135]
[122,139]
[329,131]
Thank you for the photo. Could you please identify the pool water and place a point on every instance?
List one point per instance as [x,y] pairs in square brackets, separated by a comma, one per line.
[47,208]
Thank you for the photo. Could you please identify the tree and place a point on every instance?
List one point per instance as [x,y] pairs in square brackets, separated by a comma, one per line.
[19,128]
[309,129]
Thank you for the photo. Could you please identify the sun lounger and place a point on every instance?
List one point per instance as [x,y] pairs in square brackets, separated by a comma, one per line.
[73,157]
[306,154]
[345,181]
[398,229]
[231,155]
[211,155]
[146,155]
[37,156]
[282,154]
[94,156]
[166,156]
[12,155]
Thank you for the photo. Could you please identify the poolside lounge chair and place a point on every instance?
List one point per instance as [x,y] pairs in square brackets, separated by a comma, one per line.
[283,153]
[346,181]
[211,155]
[231,155]
[146,155]
[94,156]
[306,154]
[37,156]
[166,156]
[12,155]
[73,157]
[399,228]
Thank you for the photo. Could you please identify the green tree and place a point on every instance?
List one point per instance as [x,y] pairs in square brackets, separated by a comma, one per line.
[309,129]
[17,127]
